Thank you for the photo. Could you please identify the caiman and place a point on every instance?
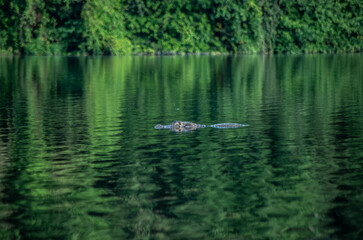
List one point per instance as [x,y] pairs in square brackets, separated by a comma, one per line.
[180,126]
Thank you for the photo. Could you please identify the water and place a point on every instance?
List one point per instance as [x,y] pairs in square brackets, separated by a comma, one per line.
[80,158]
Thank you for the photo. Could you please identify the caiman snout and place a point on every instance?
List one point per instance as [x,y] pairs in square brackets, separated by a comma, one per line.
[159,126]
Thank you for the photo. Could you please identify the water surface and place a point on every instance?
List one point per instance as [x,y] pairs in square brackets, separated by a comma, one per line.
[80,158]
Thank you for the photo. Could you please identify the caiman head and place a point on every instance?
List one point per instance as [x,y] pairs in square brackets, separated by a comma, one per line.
[179,126]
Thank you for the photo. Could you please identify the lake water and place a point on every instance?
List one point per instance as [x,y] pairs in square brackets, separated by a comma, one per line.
[80,158]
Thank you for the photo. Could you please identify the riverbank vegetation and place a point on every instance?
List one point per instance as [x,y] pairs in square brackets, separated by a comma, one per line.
[120,27]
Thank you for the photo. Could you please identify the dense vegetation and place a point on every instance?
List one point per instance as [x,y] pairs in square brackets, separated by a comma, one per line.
[148,26]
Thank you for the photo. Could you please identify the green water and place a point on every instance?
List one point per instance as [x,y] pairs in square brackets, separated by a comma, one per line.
[80,158]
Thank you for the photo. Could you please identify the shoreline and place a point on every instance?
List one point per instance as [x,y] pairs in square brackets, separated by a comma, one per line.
[176,53]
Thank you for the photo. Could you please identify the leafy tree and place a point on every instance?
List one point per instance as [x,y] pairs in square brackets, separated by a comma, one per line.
[118,27]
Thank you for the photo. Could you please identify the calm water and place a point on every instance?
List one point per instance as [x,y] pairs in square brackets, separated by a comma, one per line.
[80,158]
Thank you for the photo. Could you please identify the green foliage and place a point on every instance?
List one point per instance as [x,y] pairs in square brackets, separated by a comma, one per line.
[319,26]
[118,27]
[238,25]
[105,31]
[42,27]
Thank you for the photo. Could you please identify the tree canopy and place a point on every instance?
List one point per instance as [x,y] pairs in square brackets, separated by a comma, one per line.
[119,27]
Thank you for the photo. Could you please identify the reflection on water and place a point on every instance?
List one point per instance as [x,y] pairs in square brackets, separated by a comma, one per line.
[80,158]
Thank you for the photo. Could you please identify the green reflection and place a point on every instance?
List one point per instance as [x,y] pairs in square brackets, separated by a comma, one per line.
[80,158]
